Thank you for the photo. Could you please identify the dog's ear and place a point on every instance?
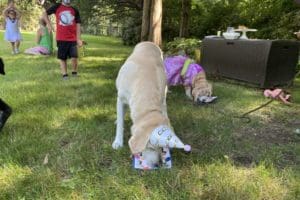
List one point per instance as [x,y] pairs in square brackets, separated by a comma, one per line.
[2,67]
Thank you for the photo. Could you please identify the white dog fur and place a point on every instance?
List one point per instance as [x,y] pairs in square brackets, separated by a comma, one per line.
[142,84]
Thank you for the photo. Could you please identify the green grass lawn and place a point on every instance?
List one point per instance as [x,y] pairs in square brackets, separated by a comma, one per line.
[57,143]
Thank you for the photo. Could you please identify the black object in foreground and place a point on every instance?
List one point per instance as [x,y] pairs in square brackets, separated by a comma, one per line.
[5,110]
[2,67]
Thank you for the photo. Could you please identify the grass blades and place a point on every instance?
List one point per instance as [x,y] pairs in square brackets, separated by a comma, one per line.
[57,143]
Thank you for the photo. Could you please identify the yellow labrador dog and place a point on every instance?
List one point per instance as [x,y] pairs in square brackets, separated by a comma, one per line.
[142,84]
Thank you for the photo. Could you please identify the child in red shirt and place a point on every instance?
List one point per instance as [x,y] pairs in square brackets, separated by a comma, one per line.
[67,34]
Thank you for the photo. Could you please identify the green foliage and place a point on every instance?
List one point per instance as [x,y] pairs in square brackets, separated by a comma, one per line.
[131,32]
[171,19]
[273,19]
[112,17]
[30,11]
[188,46]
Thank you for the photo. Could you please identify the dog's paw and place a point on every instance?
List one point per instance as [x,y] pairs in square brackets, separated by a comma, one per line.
[117,144]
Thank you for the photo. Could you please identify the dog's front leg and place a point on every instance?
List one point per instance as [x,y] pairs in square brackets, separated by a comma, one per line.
[118,142]
[164,106]
[188,92]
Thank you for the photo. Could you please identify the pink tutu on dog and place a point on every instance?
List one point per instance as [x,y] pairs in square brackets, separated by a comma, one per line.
[173,69]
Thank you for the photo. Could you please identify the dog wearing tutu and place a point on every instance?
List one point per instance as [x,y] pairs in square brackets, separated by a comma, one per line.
[182,70]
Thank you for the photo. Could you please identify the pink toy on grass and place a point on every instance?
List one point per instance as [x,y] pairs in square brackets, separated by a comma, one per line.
[277,94]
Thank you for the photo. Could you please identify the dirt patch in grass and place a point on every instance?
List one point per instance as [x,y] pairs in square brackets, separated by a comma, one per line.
[277,131]
[277,140]
[243,160]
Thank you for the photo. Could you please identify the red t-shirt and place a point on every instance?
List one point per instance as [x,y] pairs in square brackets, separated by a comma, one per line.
[67,18]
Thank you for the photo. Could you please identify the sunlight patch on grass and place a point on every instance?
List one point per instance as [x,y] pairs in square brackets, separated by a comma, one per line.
[11,174]
[24,84]
[98,59]
[90,112]
[120,188]
[82,115]
[224,181]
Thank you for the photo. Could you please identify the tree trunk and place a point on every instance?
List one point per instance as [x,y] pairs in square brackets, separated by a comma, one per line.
[155,22]
[46,3]
[184,23]
[146,20]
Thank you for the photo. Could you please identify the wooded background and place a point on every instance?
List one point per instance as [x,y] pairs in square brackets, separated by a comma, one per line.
[274,19]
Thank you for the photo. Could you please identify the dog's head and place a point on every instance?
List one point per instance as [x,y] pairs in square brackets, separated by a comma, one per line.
[148,159]
[152,156]
[200,86]
[157,153]
[149,49]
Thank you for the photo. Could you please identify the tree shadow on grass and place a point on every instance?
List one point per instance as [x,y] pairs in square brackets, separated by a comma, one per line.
[217,131]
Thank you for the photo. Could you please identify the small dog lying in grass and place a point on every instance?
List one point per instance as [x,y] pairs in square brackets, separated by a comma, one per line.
[181,70]
[142,84]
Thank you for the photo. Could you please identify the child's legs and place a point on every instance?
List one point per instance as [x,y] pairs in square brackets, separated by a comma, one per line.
[62,55]
[74,56]
[12,46]
[74,64]
[63,67]
[17,44]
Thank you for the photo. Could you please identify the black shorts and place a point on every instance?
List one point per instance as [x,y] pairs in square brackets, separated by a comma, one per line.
[66,50]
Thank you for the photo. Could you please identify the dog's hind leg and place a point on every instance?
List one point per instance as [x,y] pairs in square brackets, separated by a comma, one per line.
[118,142]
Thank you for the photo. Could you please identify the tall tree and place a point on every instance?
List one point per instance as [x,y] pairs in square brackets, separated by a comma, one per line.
[155,22]
[145,20]
[151,25]
[184,22]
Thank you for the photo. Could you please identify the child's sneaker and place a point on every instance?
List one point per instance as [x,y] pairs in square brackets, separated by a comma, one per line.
[65,77]
[17,51]
[74,74]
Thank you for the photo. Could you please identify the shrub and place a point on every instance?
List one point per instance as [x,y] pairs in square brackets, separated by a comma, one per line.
[132,29]
[190,47]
